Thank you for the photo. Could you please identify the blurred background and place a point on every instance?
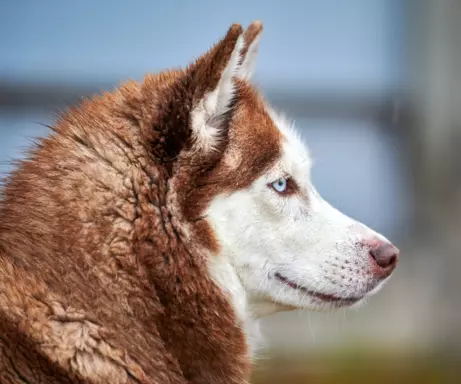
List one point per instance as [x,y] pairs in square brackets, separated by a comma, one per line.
[375,89]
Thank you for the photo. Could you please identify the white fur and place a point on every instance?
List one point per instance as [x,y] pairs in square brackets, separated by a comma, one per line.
[249,62]
[301,237]
[215,104]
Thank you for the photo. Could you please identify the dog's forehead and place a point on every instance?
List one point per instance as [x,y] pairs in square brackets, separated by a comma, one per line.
[261,128]
[295,157]
[253,136]
[252,120]
[263,140]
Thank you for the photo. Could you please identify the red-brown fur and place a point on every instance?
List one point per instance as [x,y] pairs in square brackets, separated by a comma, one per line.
[103,243]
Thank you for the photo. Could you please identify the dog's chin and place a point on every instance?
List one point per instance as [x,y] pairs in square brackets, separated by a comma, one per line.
[287,299]
[293,302]
[299,297]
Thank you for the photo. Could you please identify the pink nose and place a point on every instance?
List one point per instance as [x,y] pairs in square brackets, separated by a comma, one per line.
[385,256]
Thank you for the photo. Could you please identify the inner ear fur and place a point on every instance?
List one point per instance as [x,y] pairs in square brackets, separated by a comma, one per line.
[208,70]
[249,53]
[194,109]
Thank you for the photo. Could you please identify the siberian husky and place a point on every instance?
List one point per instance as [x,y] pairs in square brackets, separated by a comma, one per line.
[142,240]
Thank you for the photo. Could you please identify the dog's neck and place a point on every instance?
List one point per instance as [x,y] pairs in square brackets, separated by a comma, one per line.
[226,277]
[248,308]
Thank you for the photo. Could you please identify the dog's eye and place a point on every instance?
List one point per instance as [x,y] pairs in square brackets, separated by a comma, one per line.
[280,185]
[284,186]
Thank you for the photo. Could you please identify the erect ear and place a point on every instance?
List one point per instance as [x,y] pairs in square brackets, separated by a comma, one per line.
[212,76]
[249,52]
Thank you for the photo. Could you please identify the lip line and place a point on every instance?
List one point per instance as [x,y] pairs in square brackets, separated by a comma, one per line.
[321,296]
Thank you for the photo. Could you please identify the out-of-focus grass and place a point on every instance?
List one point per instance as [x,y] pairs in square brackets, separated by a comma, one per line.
[364,366]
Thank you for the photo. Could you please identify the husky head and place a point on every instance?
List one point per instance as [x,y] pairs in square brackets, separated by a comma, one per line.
[274,242]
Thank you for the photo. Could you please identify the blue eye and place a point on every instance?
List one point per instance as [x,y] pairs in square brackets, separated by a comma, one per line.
[284,186]
[280,185]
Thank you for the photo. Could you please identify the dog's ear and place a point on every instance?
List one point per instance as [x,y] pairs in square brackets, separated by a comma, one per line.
[194,110]
[249,52]
[212,79]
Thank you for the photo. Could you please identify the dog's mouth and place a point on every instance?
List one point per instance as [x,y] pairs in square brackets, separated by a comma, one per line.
[323,297]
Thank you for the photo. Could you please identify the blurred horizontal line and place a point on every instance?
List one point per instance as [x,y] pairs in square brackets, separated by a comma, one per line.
[15,96]
[383,109]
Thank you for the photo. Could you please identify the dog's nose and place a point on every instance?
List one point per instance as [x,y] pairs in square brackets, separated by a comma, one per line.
[385,256]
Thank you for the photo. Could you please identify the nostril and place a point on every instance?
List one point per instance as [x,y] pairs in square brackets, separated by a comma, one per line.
[385,255]
[393,260]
